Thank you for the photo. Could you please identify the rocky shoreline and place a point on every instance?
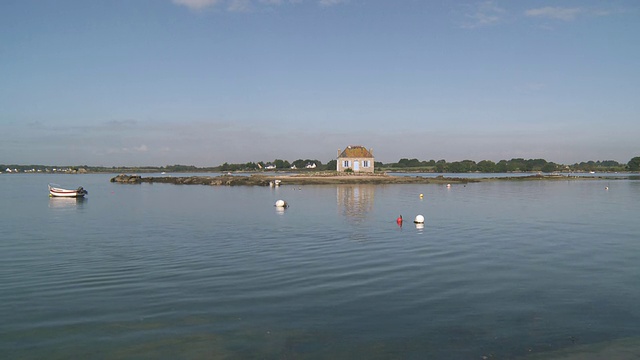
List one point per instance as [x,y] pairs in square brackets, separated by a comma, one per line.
[262,180]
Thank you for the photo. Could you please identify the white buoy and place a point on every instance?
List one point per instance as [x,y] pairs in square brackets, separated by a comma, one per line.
[448,185]
[281,204]
[419,219]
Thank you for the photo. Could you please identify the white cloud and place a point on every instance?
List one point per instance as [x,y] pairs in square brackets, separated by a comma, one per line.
[196,4]
[141,148]
[239,5]
[126,150]
[331,2]
[483,14]
[557,13]
[246,5]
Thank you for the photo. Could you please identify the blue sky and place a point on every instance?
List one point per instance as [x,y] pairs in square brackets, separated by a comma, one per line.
[201,82]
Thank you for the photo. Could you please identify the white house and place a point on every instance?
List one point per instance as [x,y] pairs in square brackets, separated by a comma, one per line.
[357,158]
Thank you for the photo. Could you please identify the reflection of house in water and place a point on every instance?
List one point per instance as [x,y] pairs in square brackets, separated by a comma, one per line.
[355,201]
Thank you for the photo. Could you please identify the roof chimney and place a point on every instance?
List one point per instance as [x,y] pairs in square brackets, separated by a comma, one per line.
[338,152]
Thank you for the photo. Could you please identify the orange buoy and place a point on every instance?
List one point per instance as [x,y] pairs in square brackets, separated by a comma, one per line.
[399,220]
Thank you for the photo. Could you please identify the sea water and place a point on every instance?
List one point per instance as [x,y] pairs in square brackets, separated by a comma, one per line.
[500,269]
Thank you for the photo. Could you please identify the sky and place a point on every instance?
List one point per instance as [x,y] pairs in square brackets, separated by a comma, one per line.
[203,82]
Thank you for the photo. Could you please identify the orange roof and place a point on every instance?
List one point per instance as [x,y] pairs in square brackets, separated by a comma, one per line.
[356,152]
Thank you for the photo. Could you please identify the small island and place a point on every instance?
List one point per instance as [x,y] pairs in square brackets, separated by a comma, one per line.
[329,178]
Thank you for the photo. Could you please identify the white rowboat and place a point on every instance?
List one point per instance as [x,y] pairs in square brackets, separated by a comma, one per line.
[57,191]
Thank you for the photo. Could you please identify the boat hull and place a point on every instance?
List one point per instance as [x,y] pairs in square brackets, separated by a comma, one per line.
[60,192]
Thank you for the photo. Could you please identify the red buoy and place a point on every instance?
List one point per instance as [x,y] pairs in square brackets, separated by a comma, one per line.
[399,220]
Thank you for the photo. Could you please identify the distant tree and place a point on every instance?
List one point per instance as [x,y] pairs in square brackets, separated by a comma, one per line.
[404,162]
[281,164]
[331,165]
[634,164]
[469,165]
[502,166]
[182,168]
[517,164]
[455,167]
[486,166]
[534,164]
[462,166]
[299,164]
[549,167]
[609,163]
[586,166]
[251,166]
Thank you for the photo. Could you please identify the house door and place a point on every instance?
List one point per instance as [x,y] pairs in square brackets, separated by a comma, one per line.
[356,165]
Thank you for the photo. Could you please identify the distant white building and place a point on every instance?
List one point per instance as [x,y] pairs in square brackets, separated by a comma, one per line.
[311,166]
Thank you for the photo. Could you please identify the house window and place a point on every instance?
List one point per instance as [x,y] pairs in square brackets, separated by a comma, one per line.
[365,163]
[345,163]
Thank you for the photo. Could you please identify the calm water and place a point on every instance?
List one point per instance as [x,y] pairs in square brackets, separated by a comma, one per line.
[500,269]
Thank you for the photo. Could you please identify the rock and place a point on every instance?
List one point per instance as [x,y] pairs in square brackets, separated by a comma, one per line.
[127,179]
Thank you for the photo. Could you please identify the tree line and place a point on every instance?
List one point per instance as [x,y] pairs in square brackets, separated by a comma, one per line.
[442,166]
[513,165]
[404,164]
